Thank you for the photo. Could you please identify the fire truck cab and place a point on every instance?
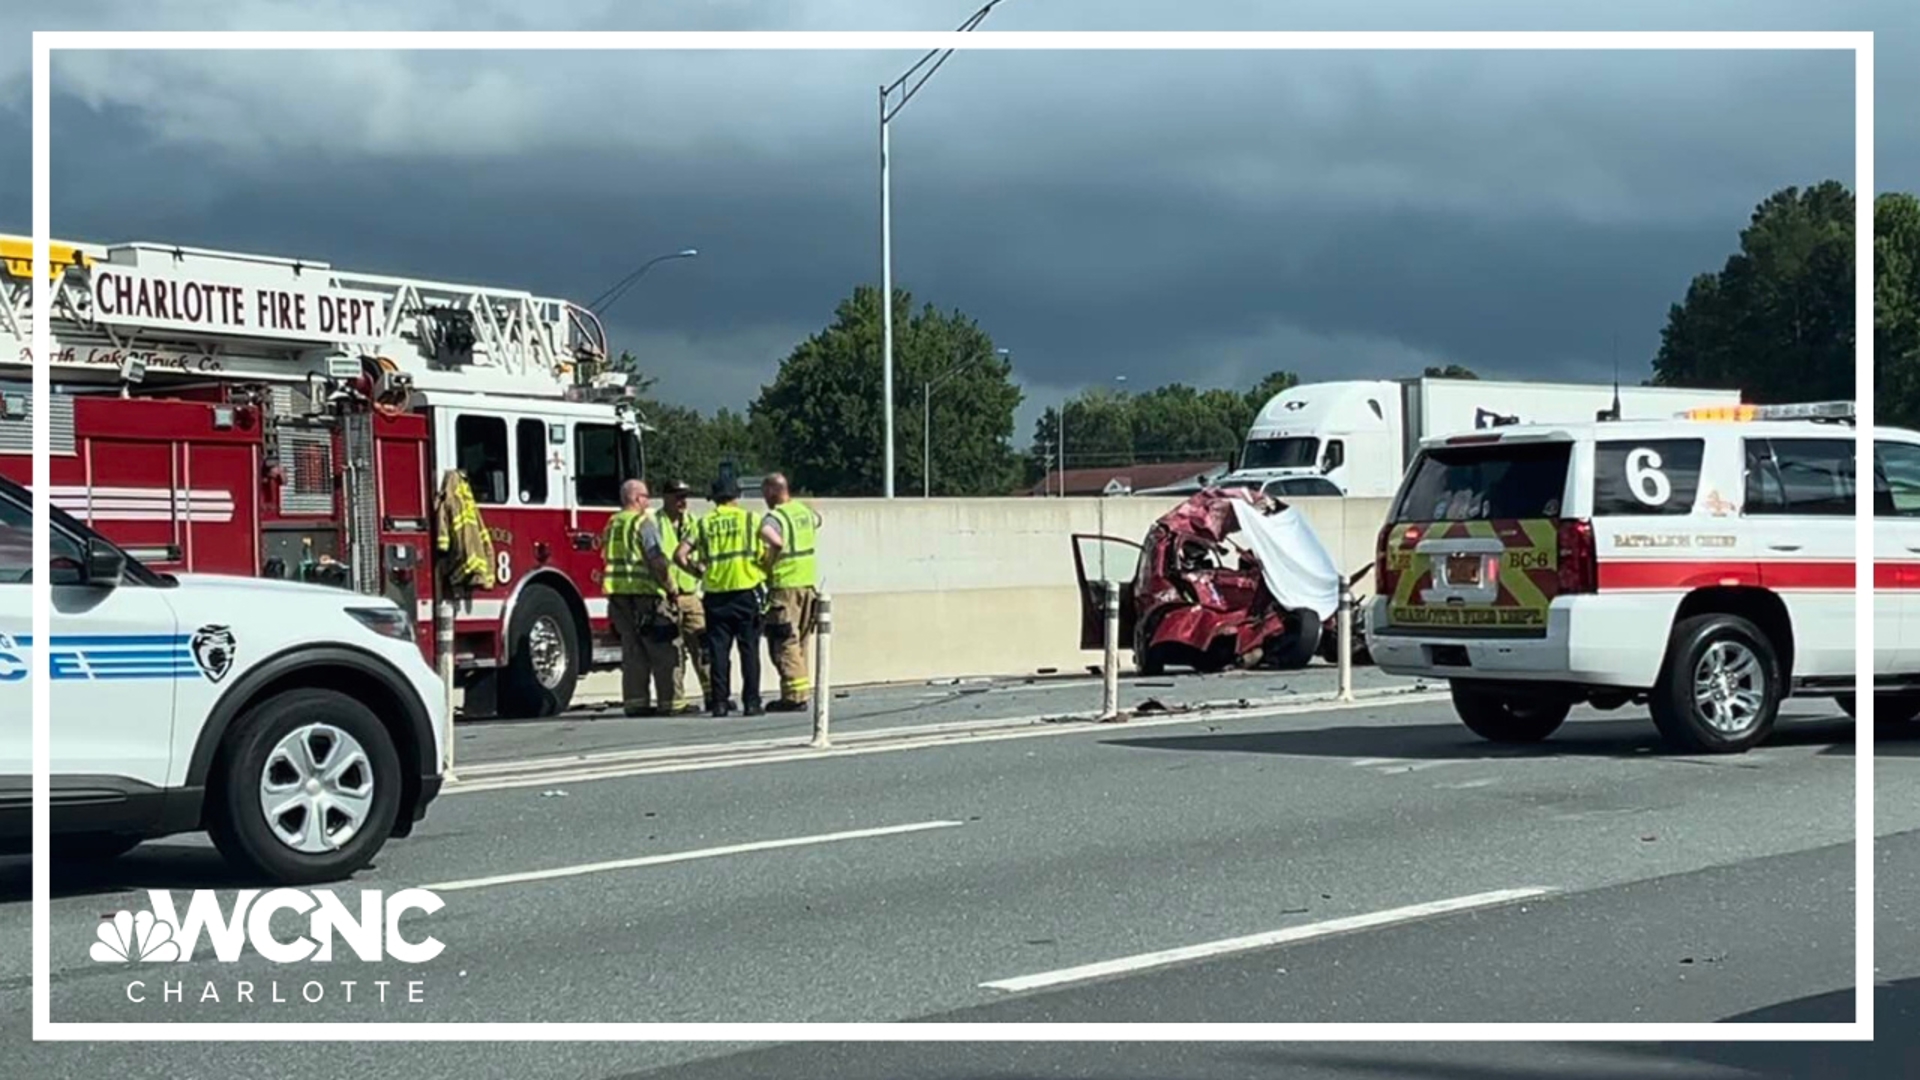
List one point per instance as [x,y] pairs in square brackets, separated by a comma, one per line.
[232,413]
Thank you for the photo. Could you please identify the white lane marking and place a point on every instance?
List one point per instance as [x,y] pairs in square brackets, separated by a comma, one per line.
[797,749]
[1288,936]
[687,856]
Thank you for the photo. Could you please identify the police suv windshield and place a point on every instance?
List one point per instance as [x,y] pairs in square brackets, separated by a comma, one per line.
[16,539]
[1486,482]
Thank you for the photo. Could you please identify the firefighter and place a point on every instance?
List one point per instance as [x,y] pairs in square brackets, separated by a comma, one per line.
[725,554]
[786,535]
[677,522]
[639,586]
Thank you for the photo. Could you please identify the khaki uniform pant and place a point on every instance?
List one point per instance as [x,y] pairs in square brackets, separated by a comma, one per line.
[692,645]
[649,652]
[789,633]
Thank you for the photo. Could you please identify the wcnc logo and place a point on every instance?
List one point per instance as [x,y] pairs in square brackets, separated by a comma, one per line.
[164,935]
[161,934]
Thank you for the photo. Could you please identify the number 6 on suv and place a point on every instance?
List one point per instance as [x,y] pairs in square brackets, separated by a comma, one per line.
[1702,565]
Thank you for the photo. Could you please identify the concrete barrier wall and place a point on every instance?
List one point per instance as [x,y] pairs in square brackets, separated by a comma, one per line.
[926,588]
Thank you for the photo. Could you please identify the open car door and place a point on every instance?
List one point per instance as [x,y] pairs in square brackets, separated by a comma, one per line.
[1097,559]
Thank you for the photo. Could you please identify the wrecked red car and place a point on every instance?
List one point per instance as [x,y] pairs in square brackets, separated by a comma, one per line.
[1197,599]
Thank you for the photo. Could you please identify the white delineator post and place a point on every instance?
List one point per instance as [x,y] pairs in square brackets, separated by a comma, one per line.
[443,656]
[1344,627]
[822,683]
[1110,707]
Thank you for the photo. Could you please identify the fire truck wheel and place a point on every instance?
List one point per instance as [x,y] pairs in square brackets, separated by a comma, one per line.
[306,788]
[1503,717]
[540,679]
[1720,687]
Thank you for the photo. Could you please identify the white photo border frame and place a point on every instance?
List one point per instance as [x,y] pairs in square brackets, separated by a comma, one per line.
[1860,43]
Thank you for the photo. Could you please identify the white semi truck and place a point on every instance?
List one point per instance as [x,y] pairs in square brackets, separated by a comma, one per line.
[1360,434]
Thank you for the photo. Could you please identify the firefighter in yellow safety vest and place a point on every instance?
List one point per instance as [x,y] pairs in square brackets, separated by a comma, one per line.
[726,555]
[787,535]
[678,523]
[641,601]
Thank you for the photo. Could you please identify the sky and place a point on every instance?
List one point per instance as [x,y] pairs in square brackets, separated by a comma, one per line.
[1200,217]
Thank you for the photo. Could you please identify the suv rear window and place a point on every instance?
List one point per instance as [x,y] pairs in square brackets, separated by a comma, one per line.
[1486,482]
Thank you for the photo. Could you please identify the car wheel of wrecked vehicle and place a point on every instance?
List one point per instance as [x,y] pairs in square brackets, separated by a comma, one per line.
[1296,648]
[1504,717]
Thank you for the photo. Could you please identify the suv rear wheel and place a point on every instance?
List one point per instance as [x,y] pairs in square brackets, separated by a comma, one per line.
[1507,717]
[1893,713]
[308,788]
[1720,688]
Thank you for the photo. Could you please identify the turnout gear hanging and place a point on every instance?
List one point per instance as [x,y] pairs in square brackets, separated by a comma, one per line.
[465,545]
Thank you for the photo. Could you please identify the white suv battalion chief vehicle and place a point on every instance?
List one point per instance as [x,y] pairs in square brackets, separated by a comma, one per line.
[298,724]
[1702,565]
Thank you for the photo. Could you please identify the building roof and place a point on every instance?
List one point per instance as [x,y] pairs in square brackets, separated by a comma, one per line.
[1123,479]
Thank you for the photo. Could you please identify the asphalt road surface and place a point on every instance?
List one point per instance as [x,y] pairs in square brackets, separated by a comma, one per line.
[600,726]
[1369,863]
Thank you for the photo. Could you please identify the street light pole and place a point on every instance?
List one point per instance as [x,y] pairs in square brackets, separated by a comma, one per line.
[619,288]
[886,292]
[926,420]
[886,225]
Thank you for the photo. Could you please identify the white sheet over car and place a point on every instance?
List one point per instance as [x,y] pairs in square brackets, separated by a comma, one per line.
[1299,571]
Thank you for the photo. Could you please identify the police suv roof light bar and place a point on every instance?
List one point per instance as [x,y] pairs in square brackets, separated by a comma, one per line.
[1822,411]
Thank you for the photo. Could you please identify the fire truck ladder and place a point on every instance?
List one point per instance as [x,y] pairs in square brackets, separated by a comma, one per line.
[16,299]
[536,342]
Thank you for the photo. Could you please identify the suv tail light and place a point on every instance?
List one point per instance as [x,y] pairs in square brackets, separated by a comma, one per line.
[1578,558]
[1385,577]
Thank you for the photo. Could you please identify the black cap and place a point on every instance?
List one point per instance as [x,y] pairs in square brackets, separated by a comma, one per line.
[726,488]
[677,487]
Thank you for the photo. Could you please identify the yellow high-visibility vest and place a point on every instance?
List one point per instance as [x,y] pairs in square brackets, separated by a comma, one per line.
[626,572]
[729,545]
[794,569]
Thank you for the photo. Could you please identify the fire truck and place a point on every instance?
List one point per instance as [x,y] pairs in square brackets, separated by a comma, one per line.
[231,413]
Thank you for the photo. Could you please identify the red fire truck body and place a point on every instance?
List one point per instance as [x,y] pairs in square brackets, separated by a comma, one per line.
[237,414]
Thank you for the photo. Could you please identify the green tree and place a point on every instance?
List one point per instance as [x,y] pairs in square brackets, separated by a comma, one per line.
[1174,422]
[1263,391]
[1777,320]
[820,420]
[1178,423]
[1449,371]
[1896,309]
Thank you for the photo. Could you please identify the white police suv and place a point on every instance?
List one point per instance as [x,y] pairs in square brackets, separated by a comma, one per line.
[298,724]
[1702,565]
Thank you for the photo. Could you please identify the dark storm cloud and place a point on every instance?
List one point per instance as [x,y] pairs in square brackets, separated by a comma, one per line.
[1159,216]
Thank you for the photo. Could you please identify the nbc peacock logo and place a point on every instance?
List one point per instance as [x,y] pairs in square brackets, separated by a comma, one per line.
[129,938]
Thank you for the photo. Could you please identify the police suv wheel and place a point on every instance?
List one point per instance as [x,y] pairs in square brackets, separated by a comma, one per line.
[1720,688]
[540,678]
[307,788]
[92,847]
[1505,717]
